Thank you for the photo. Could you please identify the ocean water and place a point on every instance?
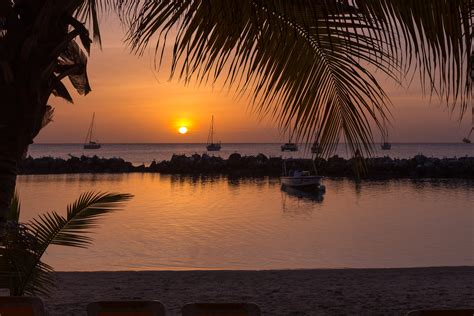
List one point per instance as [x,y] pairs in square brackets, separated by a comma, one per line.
[186,223]
[146,153]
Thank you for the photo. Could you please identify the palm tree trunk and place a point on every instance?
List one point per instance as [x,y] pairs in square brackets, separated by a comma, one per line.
[13,144]
[8,173]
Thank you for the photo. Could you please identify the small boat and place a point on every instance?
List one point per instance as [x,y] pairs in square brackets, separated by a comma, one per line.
[467,139]
[301,180]
[316,148]
[289,146]
[211,146]
[385,144]
[89,143]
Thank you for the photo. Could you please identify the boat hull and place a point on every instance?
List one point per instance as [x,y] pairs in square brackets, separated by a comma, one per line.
[213,147]
[92,146]
[386,146]
[289,147]
[466,140]
[301,182]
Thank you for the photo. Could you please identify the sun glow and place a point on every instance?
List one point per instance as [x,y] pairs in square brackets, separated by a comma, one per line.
[183,130]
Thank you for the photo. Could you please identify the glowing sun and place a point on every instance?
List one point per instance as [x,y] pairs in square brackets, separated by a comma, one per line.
[183,130]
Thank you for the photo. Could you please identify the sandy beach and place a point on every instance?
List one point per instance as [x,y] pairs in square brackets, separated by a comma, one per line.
[277,292]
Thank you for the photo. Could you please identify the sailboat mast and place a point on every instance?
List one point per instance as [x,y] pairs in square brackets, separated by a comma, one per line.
[212,130]
[89,131]
[92,126]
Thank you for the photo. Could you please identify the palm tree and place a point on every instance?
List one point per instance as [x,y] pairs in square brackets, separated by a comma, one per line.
[21,268]
[306,62]
[311,63]
[42,42]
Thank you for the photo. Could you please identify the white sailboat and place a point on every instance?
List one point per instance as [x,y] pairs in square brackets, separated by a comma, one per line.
[89,143]
[316,147]
[211,146]
[289,146]
[467,139]
[385,143]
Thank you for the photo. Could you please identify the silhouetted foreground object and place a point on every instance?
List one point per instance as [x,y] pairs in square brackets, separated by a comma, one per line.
[221,309]
[442,312]
[41,44]
[19,305]
[125,308]
[22,270]
[249,166]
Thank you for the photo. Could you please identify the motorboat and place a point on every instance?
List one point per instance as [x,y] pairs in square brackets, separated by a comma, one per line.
[301,180]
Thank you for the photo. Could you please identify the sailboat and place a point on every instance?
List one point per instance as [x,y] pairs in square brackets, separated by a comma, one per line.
[385,144]
[316,148]
[289,146]
[467,139]
[89,143]
[211,146]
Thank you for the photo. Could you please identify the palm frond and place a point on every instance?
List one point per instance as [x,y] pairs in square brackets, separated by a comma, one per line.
[438,41]
[82,216]
[309,63]
[41,282]
[26,246]
[90,11]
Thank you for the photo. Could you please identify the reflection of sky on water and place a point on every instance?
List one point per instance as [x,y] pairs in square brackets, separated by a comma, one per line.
[217,222]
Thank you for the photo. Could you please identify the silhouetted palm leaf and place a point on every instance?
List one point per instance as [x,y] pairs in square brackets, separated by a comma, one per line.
[306,61]
[82,215]
[25,246]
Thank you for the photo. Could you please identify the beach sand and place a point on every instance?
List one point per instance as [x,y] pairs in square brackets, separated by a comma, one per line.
[282,292]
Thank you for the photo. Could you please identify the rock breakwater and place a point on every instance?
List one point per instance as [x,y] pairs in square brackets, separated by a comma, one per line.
[260,165]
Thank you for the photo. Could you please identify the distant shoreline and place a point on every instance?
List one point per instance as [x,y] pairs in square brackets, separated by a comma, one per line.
[393,291]
[260,165]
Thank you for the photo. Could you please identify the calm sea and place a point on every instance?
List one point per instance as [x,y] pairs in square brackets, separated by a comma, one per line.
[180,223]
[145,153]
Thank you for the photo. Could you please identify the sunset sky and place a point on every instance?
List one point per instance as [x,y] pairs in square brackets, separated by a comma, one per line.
[136,104]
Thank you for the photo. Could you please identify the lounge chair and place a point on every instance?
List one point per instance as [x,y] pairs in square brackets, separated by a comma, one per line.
[21,306]
[221,309]
[442,312]
[126,308]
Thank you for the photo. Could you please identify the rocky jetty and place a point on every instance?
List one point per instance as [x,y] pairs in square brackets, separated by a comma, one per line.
[260,165]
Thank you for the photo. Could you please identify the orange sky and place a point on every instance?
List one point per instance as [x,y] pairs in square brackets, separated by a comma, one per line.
[134,103]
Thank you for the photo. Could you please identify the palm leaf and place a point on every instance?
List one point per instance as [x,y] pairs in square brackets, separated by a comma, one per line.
[306,61]
[438,37]
[32,275]
[82,216]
